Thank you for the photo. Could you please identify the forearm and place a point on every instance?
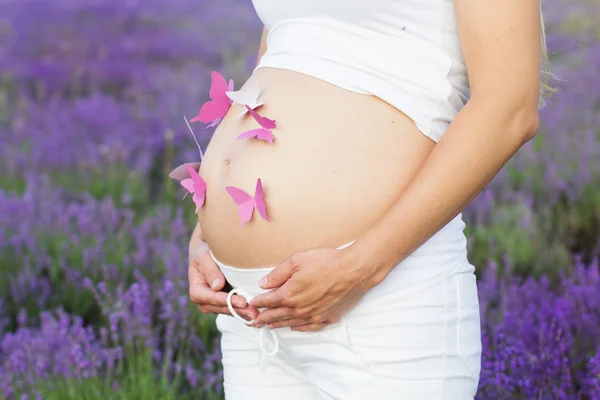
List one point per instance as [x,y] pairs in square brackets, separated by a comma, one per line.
[475,147]
[263,45]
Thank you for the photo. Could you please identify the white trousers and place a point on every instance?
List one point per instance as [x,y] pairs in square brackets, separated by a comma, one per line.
[416,336]
[416,344]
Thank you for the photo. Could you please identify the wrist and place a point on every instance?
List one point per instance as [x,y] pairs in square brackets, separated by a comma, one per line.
[197,250]
[365,268]
[197,246]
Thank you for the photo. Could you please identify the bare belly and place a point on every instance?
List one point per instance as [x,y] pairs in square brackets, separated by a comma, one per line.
[338,162]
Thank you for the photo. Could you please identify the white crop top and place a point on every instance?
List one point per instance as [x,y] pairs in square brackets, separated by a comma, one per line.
[406,52]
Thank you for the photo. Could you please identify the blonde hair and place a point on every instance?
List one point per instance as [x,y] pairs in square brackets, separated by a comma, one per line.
[546,90]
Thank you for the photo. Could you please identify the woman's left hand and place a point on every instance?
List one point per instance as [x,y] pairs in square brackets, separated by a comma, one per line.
[313,288]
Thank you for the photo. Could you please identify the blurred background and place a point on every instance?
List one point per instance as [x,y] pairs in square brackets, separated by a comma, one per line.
[93,236]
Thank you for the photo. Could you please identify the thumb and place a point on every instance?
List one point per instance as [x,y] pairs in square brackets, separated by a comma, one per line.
[278,276]
[213,275]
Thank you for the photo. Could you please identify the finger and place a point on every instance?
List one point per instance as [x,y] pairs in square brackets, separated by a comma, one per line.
[274,314]
[251,312]
[202,295]
[288,322]
[311,327]
[279,275]
[246,313]
[198,285]
[270,299]
[207,265]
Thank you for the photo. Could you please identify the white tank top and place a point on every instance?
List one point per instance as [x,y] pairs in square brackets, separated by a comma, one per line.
[405,52]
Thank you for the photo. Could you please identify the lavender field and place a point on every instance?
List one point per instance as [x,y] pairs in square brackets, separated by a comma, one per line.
[93,275]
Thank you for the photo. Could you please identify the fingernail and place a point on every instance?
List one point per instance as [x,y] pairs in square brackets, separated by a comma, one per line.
[263,281]
[271,326]
[240,303]
[214,283]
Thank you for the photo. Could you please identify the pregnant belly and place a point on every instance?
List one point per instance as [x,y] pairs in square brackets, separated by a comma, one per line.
[338,162]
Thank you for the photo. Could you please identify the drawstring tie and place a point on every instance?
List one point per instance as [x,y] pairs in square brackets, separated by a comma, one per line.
[264,352]
[262,333]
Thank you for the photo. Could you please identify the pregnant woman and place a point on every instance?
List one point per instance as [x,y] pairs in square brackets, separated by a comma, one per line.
[350,278]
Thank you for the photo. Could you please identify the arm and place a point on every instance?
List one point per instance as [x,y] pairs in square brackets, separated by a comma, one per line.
[263,45]
[501,47]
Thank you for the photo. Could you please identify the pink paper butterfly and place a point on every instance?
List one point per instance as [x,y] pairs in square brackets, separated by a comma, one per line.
[215,109]
[195,185]
[247,203]
[262,133]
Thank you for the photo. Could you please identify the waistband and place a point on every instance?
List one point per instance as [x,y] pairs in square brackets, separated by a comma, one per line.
[248,278]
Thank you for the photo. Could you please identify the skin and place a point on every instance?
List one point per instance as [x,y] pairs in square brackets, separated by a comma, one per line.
[315,287]
[205,278]
[207,281]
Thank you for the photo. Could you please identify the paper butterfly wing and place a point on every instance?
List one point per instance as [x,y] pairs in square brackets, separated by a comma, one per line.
[188,184]
[244,201]
[259,133]
[180,173]
[263,121]
[219,103]
[199,194]
[249,134]
[199,187]
[259,201]
[266,135]
[198,200]
[195,176]
[218,87]
[211,111]
[214,123]
[238,195]
[246,96]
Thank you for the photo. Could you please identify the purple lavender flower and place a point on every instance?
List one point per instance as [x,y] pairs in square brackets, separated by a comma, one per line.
[93,279]
[592,382]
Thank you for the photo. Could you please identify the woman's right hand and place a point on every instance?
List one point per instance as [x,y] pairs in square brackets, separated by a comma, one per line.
[207,281]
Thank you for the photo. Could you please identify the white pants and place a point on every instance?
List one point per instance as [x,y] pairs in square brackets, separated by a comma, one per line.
[407,341]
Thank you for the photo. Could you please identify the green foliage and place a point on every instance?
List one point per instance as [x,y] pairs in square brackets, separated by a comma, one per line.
[137,380]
